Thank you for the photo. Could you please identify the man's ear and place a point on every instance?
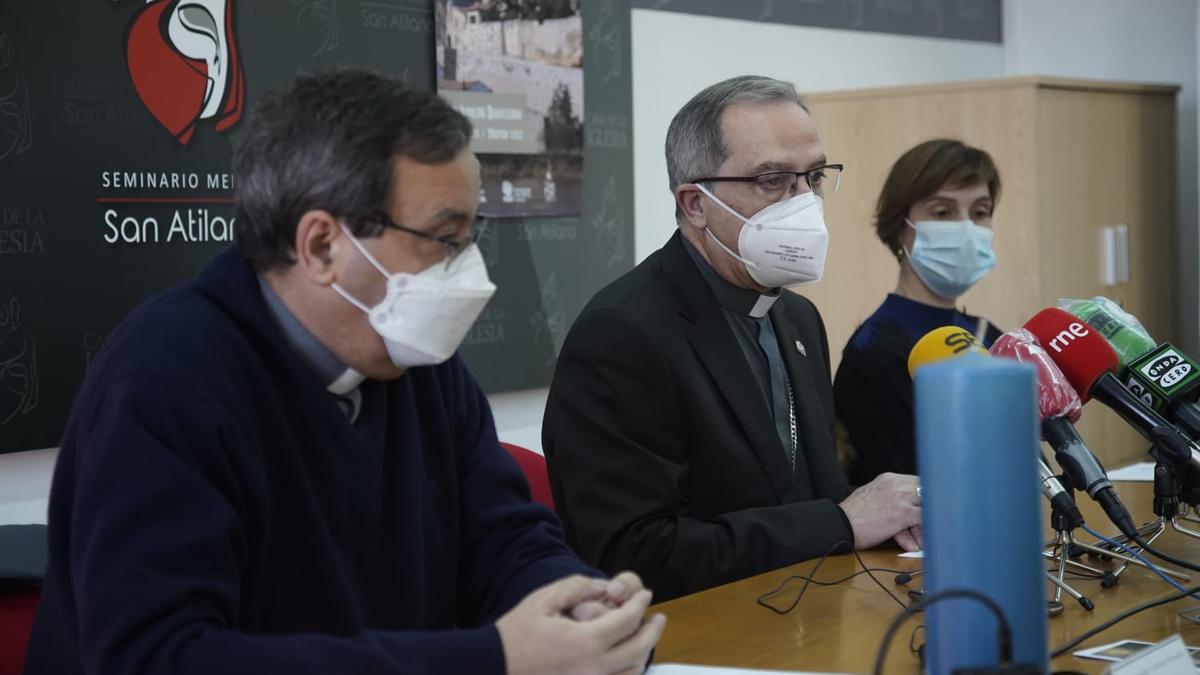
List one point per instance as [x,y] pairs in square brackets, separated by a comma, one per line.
[690,202]
[317,235]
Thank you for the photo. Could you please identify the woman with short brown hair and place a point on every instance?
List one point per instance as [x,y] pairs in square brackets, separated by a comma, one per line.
[935,215]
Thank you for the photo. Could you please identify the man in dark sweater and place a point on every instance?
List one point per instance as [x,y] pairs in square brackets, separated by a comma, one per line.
[281,467]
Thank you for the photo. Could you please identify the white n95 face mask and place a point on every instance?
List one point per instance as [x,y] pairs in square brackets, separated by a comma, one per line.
[784,244]
[425,316]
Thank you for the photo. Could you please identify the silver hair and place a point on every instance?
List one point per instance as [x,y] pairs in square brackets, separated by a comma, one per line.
[695,145]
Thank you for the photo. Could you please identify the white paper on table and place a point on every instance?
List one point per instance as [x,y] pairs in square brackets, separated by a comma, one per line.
[685,669]
[912,554]
[1123,650]
[1141,472]
[1169,657]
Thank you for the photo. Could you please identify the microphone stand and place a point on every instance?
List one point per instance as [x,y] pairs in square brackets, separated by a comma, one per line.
[1166,507]
[1061,552]
[1189,497]
[1187,513]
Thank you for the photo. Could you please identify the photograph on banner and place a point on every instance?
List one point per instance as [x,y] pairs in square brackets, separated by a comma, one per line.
[515,69]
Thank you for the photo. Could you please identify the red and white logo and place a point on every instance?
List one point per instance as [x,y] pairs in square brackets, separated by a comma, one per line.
[184,64]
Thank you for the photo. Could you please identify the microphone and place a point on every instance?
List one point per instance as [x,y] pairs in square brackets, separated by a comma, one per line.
[942,343]
[1059,498]
[1059,406]
[1162,376]
[1056,398]
[1124,333]
[1159,376]
[1088,364]
[1167,381]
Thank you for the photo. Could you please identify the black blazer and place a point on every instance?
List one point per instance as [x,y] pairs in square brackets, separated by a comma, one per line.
[662,452]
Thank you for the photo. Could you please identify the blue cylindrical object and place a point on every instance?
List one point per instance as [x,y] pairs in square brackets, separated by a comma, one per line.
[977,439]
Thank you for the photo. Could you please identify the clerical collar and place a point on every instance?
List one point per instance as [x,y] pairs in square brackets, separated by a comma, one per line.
[733,298]
[335,376]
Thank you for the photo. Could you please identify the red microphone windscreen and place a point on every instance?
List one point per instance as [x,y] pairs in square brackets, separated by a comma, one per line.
[1081,353]
[1055,396]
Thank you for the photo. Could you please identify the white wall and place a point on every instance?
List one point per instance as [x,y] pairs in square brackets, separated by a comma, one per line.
[519,417]
[25,486]
[1120,40]
[677,55]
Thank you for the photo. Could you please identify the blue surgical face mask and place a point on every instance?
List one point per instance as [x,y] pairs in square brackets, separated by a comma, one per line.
[950,257]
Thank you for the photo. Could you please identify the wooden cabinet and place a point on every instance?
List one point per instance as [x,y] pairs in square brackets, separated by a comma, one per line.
[1074,156]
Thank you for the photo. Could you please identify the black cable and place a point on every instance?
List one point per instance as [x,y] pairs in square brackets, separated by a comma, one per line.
[1081,575]
[856,574]
[878,582]
[762,599]
[834,582]
[913,647]
[1163,556]
[1004,637]
[811,579]
[1121,617]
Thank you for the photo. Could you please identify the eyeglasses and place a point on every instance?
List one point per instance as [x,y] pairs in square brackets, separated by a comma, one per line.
[823,180]
[453,245]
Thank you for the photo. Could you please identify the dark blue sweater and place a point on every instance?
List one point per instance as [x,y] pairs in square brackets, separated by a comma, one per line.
[214,511]
[873,391]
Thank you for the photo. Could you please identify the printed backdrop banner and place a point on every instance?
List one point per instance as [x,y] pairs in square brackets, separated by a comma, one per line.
[975,20]
[117,123]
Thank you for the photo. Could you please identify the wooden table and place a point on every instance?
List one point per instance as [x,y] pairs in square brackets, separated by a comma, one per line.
[840,628]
